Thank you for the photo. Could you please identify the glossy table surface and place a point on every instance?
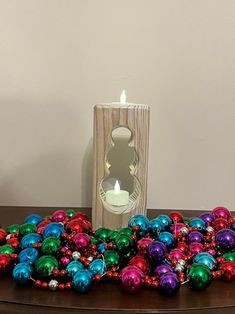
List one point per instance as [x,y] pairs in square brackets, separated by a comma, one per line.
[108,297]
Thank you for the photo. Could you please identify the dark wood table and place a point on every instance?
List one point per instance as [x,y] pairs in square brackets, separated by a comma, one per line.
[108,297]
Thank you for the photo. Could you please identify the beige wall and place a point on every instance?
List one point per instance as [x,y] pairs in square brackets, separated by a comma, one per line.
[60,57]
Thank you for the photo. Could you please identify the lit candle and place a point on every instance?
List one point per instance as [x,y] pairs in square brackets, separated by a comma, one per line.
[117,197]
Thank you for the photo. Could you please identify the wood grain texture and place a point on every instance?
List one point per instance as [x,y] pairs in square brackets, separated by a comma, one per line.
[107,117]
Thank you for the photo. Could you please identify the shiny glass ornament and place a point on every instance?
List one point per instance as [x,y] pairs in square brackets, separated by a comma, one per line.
[53,285]
[7,249]
[22,273]
[169,284]
[157,251]
[225,238]
[73,267]
[127,231]
[97,267]
[207,217]
[70,213]
[28,255]
[5,263]
[113,234]
[162,269]
[123,242]
[59,215]
[197,223]
[230,256]
[101,248]
[82,281]
[166,238]
[81,241]
[221,212]
[50,245]
[142,245]
[220,223]
[27,228]
[13,228]
[77,225]
[205,258]
[81,216]
[195,248]
[195,236]
[45,265]
[177,227]
[54,229]
[140,262]
[175,216]
[199,277]
[156,225]
[228,268]
[132,279]
[111,258]
[165,220]
[33,219]
[102,234]
[140,221]
[30,239]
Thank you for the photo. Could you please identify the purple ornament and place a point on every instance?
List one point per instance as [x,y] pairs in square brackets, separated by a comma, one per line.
[162,269]
[221,212]
[132,279]
[195,248]
[81,241]
[195,236]
[59,216]
[169,284]
[226,239]
[207,217]
[157,250]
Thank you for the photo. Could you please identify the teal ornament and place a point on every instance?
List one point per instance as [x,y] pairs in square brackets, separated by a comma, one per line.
[54,229]
[101,248]
[206,259]
[28,255]
[197,223]
[33,219]
[82,281]
[166,238]
[165,220]
[97,267]
[156,225]
[22,273]
[73,267]
[30,239]
[141,222]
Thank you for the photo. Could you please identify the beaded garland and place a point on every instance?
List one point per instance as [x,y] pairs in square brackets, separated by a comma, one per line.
[62,251]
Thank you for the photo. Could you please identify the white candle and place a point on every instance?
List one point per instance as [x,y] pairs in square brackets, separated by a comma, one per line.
[117,197]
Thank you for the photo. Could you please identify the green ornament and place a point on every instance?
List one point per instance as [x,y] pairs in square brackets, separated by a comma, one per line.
[127,231]
[70,212]
[123,242]
[186,219]
[229,256]
[45,265]
[93,240]
[113,234]
[13,228]
[27,228]
[102,234]
[7,249]
[111,258]
[50,245]
[199,276]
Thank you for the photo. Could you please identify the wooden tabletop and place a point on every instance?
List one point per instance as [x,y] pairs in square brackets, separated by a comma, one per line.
[108,297]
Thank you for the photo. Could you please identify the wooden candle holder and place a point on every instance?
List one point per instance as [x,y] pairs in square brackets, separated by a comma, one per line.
[108,117]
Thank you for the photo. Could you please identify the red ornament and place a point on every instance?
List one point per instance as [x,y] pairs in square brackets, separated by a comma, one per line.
[14,242]
[176,216]
[3,235]
[76,225]
[140,262]
[5,262]
[228,268]
[80,215]
[220,223]
[182,246]
[41,226]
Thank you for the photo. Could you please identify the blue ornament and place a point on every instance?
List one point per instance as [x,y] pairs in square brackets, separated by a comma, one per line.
[28,255]
[166,238]
[197,223]
[205,259]
[22,273]
[156,225]
[140,221]
[73,267]
[165,220]
[97,267]
[54,229]
[101,248]
[232,226]
[82,281]
[33,219]
[29,239]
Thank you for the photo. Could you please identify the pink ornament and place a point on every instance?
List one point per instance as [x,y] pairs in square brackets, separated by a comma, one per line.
[175,228]
[132,279]
[64,261]
[81,241]
[143,244]
[59,216]
[221,212]
[176,254]
[195,248]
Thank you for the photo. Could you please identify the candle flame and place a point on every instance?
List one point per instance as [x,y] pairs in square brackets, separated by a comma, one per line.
[116,186]
[123,97]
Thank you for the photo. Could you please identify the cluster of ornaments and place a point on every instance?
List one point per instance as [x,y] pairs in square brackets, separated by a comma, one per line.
[62,251]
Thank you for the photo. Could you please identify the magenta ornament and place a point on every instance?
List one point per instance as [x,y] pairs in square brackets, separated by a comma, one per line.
[132,279]
[81,241]
[176,254]
[142,245]
[195,248]
[221,212]
[64,261]
[59,216]
[175,228]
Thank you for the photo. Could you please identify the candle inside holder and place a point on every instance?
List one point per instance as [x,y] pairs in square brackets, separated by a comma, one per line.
[117,197]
